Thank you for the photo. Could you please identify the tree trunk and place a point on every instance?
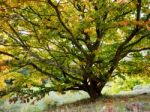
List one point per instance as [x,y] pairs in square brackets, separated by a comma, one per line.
[95,89]
[93,93]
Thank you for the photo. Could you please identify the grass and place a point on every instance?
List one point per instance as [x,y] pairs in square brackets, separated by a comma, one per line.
[116,103]
[62,103]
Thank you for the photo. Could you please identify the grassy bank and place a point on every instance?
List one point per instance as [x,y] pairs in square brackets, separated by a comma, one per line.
[104,104]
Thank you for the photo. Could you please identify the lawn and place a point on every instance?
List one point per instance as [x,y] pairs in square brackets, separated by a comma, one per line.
[111,103]
[132,103]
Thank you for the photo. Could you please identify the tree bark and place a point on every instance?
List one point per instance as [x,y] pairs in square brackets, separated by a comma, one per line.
[95,88]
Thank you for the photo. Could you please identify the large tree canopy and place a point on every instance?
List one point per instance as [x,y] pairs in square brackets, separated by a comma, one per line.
[77,44]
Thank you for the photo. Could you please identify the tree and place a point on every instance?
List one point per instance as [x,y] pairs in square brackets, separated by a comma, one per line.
[78,44]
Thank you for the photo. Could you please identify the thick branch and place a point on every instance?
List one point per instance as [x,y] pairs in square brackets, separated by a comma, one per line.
[138,50]
[18,36]
[121,15]
[27,20]
[44,72]
[32,64]
[138,10]
[114,62]
[8,54]
[66,28]
[99,38]
[136,42]
[121,47]
[62,68]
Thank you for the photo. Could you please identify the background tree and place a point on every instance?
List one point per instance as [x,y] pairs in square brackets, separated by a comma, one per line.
[77,44]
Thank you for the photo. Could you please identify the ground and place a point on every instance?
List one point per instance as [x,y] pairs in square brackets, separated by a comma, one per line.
[128,103]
